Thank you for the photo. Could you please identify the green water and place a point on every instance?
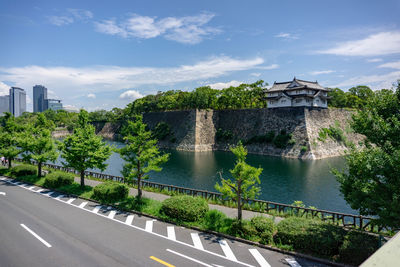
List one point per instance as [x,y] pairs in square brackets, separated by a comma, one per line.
[282,180]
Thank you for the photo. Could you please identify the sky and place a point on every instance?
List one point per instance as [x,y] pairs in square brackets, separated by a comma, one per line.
[105,54]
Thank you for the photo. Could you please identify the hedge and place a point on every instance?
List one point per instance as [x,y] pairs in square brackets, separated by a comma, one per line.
[185,208]
[110,192]
[357,247]
[23,170]
[265,228]
[57,179]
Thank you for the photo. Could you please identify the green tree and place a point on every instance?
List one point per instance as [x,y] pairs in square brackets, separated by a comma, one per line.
[244,185]
[9,138]
[84,149]
[37,142]
[338,98]
[372,182]
[140,153]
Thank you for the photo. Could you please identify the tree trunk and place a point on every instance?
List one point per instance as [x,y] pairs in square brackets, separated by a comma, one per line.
[83,179]
[9,163]
[239,201]
[139,177]
[39,169]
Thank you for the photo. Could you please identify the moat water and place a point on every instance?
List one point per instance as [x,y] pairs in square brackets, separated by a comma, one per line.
[282,180]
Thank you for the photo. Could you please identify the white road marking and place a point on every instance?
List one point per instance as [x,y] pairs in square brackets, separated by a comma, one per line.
[40,190]
[158,235]
[48,194]
[171,232]
[82,205]
[227,250]
[31,188]
[292,262]
[189,258]
[149,226]
[112,214]
[70,200]
[96,209]
[259,258]
[196,241]
[129,219]
[3,193]
[35,235]
[60,196]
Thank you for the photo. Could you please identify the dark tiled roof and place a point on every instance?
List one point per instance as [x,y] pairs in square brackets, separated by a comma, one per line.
[299,84]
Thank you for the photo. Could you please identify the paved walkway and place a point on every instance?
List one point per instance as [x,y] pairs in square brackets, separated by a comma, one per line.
[230,212]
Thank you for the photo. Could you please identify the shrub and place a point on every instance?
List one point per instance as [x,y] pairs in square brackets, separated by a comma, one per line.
[243,229]
[357,247]
[110,192]
[312,236]
[57,179]
[304,149]
[223,135]
[23,170]
[283,139]
[214,220]
[161,131]
[185,208]
[265,228]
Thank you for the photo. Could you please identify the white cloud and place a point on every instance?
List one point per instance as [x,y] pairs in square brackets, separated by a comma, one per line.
[71,108]
[224,85]
[51,94]
[391,65]
[287,36]
[28,99]
[374,60]
[91,96]
[374,81]
[318,72]
[131,95]
[270,67]
[383,43]
[67,80]
[255,74]
[188,30]
[71,16]
[4,89]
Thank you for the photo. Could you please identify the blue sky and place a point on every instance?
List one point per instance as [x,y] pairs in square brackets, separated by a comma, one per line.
[105,54]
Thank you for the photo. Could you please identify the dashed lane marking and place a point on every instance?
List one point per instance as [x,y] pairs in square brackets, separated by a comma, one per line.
[196,241]
[129,219]
[70,200]
[292,262]
[259,258]
[189,258]
[161,261]
[36,235]
[149,226]
[112,214]
[82,205]
[171,232]
[59,197]
[96,209]
[3,193]
[227,250]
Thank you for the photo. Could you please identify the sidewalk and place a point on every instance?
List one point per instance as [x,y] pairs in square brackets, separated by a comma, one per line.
[230,212]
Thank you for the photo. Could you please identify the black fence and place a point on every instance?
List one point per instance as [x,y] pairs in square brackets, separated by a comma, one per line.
[343,219]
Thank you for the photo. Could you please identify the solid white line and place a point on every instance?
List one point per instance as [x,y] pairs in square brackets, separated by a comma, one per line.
[129,219]
[35,235]
[96,209]
[189,258]
[70,200]
[171,232]
[31,188]
[48,194]
[112,214]
[149,226]
[259,258]
[60,196]
[196,241]
[40,190]
[227,250]
[292,262]
[83,204]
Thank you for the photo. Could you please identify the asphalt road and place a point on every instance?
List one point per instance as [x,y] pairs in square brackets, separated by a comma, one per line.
[48,229]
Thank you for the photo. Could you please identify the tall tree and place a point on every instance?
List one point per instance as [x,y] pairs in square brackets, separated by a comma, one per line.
[9,138]
[37,142]
[372,182]
[84,149]
[140,153]
[246,179]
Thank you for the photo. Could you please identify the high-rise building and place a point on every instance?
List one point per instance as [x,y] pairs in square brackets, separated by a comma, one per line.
[17,101]
[39,98]
[53,104]
[4,104]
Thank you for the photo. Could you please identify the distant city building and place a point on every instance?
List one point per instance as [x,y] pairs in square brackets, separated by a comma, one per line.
[39,98]
[297,93]
[53,104]
[17,101]
[4,104]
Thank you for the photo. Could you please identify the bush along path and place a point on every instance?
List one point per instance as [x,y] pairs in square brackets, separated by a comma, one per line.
[310,237]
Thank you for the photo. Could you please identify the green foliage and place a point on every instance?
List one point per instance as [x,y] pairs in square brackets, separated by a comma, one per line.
[303,149]
[245,179]
[283,139]
[215,220]
[9,138]
[265,228]
[141,153]
[356,97]
[334,132]
[185,208]
[161,131]
[84,149]
[310,236]
[266,138]
[223,135]
[357,247]
[243,229]
[110,192]
[23,170]
[57,179]
[372,183]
